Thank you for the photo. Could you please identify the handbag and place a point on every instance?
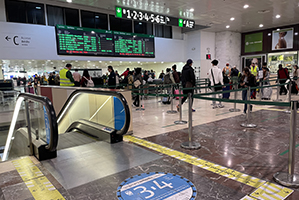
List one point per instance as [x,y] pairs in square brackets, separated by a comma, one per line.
[137,83]
[217,85]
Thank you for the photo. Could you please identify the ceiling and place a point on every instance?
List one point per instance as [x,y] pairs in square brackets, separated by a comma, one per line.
[214,13]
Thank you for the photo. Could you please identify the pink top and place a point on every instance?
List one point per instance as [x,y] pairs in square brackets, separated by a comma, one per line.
[76,76]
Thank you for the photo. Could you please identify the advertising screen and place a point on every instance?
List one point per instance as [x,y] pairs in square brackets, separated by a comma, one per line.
[254,42]
[282,39]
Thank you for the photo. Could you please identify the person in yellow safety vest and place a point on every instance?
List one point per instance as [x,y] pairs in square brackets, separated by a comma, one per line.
[66,77]
[254,69]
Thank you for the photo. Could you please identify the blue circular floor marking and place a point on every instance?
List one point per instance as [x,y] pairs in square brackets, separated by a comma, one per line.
[156,186]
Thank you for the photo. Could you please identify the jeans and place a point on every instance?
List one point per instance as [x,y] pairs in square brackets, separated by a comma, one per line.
[214,96]
[283,88]
[244,97]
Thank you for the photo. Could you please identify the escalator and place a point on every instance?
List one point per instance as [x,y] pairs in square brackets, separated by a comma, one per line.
[88,116]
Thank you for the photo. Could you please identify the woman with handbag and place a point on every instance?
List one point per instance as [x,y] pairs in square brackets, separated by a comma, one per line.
[137,84]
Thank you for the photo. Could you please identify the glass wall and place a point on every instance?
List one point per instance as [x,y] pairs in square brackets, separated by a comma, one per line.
[287,59]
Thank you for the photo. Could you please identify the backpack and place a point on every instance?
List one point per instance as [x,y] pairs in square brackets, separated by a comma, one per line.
[167,79]
[89,82]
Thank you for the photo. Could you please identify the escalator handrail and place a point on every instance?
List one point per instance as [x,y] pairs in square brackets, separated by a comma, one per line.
[101,92]
[52,117]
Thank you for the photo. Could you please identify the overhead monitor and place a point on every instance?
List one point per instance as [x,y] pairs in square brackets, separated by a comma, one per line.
[96,42]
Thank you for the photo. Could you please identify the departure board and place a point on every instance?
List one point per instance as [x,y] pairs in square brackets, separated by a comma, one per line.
[96,42]
[129,44]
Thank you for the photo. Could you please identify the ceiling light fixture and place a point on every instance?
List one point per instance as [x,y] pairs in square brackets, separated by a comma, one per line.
[227,26]
[277,16]
[278,29]
[69,1]
[96,16]
[232,19]
[296,33]
[38,7]
[246,6]
[261,25]
[191,10]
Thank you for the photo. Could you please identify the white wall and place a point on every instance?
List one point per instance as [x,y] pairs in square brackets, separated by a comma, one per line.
[177,33]
[41,45]
[228,49]
[2,11]
[207,47]
[192,49]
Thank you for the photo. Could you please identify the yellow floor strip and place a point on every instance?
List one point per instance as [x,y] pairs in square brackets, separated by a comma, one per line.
[271,191]
[248,198]
[39,186]
[221,170]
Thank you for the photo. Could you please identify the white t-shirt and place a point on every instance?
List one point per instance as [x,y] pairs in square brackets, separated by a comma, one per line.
[217,75]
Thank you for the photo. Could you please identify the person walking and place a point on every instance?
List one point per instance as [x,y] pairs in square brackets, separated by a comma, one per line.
[216,78]
[175,74]
[282,76]
[66,77]
[111,78]
[77,78]
[188,81]
[248,80]
[126,73]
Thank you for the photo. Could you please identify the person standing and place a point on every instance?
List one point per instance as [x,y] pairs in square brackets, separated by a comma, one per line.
[226,72]
[130,80]
[51,79]
[126,73]
[161,76]
[85,78]
[215,77]
[254,69]
[175,74]
[295,74]
[137,77]
[248,80]
[77,78]
[66,77]
[111,78]
[282,76]
[188,81]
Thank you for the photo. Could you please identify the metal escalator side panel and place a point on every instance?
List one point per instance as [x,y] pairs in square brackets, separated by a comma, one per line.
[12,128]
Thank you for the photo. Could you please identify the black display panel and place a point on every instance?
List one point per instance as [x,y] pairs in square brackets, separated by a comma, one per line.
[130,44]
[95,42]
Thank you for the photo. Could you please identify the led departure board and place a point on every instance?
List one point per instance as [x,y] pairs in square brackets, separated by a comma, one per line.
[129,44]
[145,16]
[96,42]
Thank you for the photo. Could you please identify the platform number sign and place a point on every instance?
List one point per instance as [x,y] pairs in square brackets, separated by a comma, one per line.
[156,185]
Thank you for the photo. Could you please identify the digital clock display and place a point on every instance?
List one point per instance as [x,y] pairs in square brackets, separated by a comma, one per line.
[150,17]
[96,42]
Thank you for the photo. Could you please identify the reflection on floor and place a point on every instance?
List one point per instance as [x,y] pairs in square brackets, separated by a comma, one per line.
[258,152]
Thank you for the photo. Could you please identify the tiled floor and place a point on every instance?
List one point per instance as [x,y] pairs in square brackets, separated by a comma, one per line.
[258,152]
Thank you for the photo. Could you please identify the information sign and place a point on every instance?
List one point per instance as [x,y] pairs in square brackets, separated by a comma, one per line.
[156,185]
[145,16]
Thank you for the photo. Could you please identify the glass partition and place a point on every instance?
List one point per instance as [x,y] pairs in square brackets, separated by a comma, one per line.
[104,109]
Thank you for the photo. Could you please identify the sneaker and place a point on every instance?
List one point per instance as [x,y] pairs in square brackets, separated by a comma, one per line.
[220,106]
[215,106]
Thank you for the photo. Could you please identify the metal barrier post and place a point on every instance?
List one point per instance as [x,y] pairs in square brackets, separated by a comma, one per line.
[139,96]
[28,127]
[260,84]
[248,124]
[235,104]
[180,110]
[290,179]
[277,95]
[289,97]
[190,144]
[206,89]
[171,103]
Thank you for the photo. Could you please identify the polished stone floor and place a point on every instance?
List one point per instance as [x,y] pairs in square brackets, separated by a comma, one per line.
[259,152]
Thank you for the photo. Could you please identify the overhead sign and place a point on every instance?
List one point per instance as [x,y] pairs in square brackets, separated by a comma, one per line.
[254,42]
[144,16]
[156,185]
[17,40]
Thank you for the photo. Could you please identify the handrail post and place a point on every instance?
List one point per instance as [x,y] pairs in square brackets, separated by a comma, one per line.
[171,102]
[260,84]
[27,110]
[289,97]
[290,179]
[248,124]
[139,96]
[235,104]
[180,121]
[190,144]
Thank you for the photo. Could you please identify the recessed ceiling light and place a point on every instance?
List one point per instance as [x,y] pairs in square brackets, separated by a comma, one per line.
[261,25]
[38,7]
[278,29]
[92,32]
[191,10]
[246,6]
[277,16]
[296,33]
[100,61]
[232,19]
[227,26]
[269,34]
[88,61]
[69,1]
[96,16]
[140,23]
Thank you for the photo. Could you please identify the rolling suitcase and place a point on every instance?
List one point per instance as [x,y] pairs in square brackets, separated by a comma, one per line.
[267,93]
